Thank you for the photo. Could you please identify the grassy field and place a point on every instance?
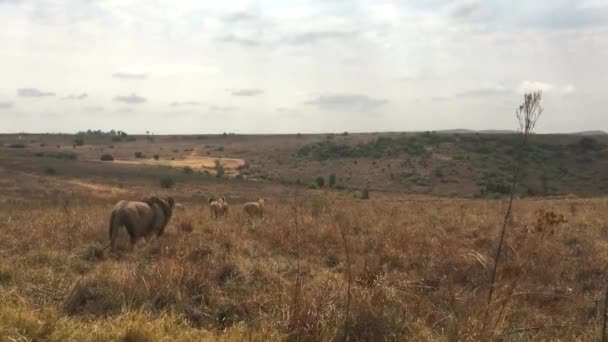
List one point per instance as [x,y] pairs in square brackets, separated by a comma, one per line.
[320,265]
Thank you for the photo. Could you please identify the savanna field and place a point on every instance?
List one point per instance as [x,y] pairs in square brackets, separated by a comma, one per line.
[411,264]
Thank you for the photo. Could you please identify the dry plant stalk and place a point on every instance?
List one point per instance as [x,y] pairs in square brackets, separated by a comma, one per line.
[527,115]
[604,337]
[298,284]
[343,233]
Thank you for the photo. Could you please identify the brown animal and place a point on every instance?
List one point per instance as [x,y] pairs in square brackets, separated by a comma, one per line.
[254,208]
[150,215]
[218,207]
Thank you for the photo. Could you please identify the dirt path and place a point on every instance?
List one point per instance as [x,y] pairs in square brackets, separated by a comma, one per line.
[230,165]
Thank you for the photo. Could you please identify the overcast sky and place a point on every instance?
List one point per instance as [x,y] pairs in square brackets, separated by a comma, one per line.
[282,66]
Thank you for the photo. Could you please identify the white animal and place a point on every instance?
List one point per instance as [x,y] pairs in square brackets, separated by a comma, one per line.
[255,208]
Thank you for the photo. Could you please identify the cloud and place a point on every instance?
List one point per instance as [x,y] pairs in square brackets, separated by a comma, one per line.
[287,110]
[33,92]
[76,96]
[568,89]
[528,86]
[93,109]
[347,102]
[143,71]
[221,108]
[130,99]
[124,110]
[244,41]
[312,37]
[463,8]
[238,17]
[594,4]
[486,92]
[129,76]
[6,105]
[440,98]
[184,103]
[247,92]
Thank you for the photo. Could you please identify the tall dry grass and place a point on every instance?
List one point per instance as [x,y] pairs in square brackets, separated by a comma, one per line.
[419,270]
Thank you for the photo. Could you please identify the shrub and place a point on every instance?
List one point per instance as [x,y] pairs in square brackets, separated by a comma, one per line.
[332,180]
[58,155]
[116,139]
[50,171]
[438,172]
[139,155]
[167,182]
[188,170]
[107,157]
[17,145]
[79,141]
[156,156]
[320,181]
[219,169]
[365,194]
[589,144]
[497,187]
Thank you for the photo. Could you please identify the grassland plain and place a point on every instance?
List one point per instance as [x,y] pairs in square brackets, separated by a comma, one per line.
[418,265]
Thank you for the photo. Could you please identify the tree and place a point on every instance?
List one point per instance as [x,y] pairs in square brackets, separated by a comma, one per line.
[107,157]
[219,169]
[527,115]
[167,182]
[320,181]
[332,180]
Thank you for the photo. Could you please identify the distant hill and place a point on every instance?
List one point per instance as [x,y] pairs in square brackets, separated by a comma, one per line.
[453,162]
[590,133]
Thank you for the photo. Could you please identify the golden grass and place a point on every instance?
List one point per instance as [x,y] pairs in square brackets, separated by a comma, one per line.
[419,270]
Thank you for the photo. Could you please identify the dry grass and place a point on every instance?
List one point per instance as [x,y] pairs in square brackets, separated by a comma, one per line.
[419,272]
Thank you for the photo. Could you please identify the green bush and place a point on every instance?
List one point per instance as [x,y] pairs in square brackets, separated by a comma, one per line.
[438,172]
[62,155]
[332,180]
[188,170]
[156,157]
[107,157]
[17,145]
[50,171]
[320,181]
[496,187]
[139,155]
[79,141]
[365,194]
[167,182]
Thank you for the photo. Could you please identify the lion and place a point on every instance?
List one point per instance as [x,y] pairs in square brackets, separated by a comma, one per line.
[150,215]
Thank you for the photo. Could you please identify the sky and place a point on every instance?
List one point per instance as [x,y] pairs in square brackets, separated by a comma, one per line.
[300,66]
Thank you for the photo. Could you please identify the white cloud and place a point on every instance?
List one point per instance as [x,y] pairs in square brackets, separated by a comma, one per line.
[528,86]
[140,71]
[467,55]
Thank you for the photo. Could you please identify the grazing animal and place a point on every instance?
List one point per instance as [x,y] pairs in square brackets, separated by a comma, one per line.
[255,208]
[224,207]
[150,215]
[218,207]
